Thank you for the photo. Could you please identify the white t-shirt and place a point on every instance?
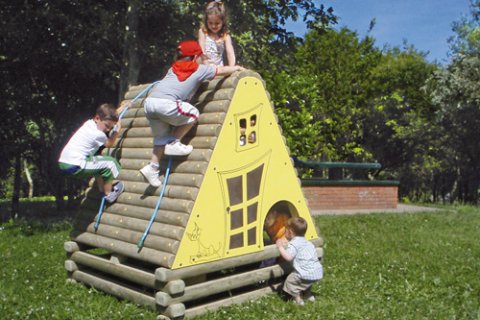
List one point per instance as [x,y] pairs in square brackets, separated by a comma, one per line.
[84,142]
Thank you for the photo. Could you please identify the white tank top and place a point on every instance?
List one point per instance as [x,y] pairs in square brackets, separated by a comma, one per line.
[214,50]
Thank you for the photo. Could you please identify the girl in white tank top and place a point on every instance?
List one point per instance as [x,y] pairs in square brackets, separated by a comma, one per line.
[213,36]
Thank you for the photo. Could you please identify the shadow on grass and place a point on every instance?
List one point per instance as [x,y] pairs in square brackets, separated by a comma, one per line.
[36,217]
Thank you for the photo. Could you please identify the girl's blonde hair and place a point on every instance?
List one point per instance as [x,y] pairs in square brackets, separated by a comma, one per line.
[215,8]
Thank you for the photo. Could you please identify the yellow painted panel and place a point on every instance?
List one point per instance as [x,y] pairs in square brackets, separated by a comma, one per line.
[250,171]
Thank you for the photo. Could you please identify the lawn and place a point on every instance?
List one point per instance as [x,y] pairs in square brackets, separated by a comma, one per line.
[377,266]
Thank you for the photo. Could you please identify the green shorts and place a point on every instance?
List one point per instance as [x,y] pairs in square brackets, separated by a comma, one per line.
[98,166]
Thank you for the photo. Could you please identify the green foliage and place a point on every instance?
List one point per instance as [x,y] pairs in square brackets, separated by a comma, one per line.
[466,40]
[325,83]
[339,98]
[63,58]
[455,92]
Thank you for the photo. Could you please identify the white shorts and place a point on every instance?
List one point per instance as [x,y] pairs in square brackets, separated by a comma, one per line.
[163,113]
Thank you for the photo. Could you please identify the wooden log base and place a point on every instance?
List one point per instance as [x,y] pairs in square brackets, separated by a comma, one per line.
[238,281]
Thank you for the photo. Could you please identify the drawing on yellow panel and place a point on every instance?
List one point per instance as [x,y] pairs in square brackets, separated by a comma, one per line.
[249,174]
[203,252]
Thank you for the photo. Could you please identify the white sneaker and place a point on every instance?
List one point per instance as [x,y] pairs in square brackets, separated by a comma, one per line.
[151,175]
[177,148]
[116,191]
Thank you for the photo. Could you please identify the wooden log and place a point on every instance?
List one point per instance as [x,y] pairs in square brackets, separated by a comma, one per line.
[146,154]
[70,265]
[171,191]
[217,106]
[248,296]
[134,113]
[268,252]
[212,95]
[156,257]
[135,104]
[134,92]
[191,167]
[147,142]
[186,180]
[71,246]
[162,298]
[133,164]
[139,225]
[115,289]
[203,142]
[229,283]
[219,83]
[205,130]
[122,271]
[117,258]
[175,311]
[174,287]
[211,118]
[151,241]
[248,73]
[169,204]
[136,153]
[200,130]
[170,218]
[131,175]
[144,142]
[137,132]
[148,201]
[163,216]
[140,122]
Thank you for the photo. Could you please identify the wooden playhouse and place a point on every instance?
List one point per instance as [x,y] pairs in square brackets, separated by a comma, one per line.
[206,245]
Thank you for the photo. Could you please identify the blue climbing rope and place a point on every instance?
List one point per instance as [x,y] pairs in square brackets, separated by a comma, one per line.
[138,96]
[155,211]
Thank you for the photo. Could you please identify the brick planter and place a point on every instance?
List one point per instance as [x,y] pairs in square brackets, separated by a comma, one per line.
[324,195]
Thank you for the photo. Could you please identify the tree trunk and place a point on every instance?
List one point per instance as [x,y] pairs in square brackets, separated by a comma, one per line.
[29,178]
[131,60]
[16,187]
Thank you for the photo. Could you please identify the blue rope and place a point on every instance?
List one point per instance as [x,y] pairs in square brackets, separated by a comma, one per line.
[154,215]
[102,203]
[99,215]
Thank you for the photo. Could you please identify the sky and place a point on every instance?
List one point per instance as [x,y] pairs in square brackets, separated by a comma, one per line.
[425,24]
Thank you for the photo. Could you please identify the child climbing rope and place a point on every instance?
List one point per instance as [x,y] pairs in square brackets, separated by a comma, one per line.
[166,105]
[213,35]
[78,156]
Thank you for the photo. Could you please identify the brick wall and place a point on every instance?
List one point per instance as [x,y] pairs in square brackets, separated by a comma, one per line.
[351,197]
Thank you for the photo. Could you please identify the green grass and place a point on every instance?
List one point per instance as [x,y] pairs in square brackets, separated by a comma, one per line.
[378,266]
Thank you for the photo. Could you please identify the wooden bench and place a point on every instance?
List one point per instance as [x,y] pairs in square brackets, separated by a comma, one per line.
[346,185]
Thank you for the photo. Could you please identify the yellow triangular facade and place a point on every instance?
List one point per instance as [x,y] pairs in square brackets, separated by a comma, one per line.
[250,172]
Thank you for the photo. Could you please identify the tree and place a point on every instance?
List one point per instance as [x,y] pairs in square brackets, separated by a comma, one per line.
[322,92]
[60,59]
[455,91]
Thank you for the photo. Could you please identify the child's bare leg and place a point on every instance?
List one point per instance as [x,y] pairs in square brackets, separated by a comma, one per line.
[180,131]
[157,154]
[176,148]
[107,187]
[100,183]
